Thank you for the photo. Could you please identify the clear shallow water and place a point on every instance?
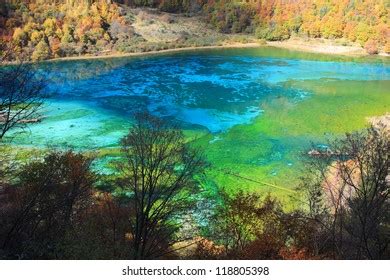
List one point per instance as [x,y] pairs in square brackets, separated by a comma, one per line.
[253,109]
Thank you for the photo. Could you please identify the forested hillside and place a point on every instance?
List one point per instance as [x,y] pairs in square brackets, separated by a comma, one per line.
[48,29]
[366,22]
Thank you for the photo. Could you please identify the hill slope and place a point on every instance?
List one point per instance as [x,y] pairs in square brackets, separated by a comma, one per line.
[50,29]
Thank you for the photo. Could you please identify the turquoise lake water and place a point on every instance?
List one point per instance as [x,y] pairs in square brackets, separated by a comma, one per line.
[254,110]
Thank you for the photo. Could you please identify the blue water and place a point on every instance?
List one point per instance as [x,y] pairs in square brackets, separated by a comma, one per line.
[92,102]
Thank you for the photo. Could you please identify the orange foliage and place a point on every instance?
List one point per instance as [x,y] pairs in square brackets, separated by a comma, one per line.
[353,20]
[296,254]
[371,47]
[88,22]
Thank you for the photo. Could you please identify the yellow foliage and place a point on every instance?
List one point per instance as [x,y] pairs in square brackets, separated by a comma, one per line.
[386,49]
[19,36]
[50,26]
[36,37]
[85,22]
[41,51]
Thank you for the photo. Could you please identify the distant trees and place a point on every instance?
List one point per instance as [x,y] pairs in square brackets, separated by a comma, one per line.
[172,6]
[278,20]
[158,171]
[60,28]
[65,28]
[230,17]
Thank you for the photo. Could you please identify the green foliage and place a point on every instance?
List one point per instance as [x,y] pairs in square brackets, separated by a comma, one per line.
[173,5]
[277,33]
[41,51]
[230,17]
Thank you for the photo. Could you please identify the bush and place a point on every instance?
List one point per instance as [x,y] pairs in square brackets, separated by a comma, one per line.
[278,33]
[167,18]
[371,47]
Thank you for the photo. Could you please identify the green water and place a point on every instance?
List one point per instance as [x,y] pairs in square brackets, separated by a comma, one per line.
[255,111]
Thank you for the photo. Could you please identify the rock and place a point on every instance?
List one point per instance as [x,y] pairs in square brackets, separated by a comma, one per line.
[381,121]
[324,153]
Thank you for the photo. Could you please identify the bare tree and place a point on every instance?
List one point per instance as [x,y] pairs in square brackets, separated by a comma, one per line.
[366,191]
[159,173]
[352,193]
[21,93]
[236,221]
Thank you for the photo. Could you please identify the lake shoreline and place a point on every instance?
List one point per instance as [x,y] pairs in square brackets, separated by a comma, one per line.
[315,46]
[165,51]
[324,46]
[309,46]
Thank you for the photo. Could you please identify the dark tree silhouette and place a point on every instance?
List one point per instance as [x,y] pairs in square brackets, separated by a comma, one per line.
[158,172]
[37,212]
[349,196]
[21,93]
[101,231]
[250,227]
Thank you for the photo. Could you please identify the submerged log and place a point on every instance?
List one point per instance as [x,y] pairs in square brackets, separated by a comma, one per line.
[26,121]
[23,121]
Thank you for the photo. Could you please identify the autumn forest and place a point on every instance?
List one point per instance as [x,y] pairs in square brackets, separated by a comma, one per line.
[50,29]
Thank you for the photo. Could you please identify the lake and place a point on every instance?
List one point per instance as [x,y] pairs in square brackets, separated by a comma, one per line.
[255,111]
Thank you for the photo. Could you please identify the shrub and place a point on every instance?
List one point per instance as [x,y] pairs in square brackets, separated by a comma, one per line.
[371,47]
[277,33]
[167,18]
